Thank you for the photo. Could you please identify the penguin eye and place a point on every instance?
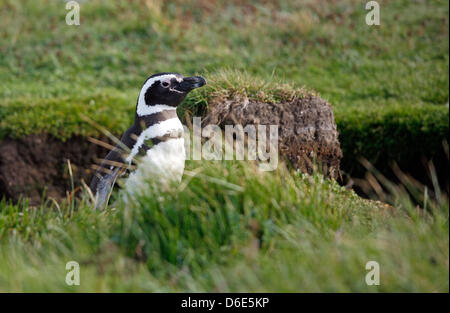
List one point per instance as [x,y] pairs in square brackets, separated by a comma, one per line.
[165,84]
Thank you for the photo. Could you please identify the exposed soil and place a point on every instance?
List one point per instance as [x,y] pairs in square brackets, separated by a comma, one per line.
[38,163]
[307,132]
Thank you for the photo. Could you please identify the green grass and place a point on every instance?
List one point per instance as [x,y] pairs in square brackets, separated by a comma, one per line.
[229,227]
[52,72]
[226,228]
[47,65]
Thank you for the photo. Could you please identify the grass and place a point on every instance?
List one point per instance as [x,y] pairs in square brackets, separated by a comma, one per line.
[226,228]
[229,227]
[391,74]
[99,66]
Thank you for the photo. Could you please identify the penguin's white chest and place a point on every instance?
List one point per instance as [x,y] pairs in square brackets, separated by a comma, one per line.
[163,162]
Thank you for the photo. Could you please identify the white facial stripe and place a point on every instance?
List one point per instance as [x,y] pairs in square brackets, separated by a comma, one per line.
[151,109]
[142,108]
[156,130]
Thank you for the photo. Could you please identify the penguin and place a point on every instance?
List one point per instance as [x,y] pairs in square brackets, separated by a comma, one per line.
[156,138]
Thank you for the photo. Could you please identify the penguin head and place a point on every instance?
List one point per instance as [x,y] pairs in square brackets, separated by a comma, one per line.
[166,89]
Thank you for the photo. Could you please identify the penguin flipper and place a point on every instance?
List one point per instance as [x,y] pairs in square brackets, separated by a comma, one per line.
[104,188]
[105,177]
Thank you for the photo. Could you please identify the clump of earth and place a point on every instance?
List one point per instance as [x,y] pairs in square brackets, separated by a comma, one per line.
[307,138]
[307,134]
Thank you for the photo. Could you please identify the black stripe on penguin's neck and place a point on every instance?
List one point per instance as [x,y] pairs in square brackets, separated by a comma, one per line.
[145,121]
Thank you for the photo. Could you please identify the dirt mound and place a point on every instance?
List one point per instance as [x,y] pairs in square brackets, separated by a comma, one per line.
[306,128]
[37,163]
[30,165]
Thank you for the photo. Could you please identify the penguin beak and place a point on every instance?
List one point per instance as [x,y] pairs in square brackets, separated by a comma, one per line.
[190,83]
